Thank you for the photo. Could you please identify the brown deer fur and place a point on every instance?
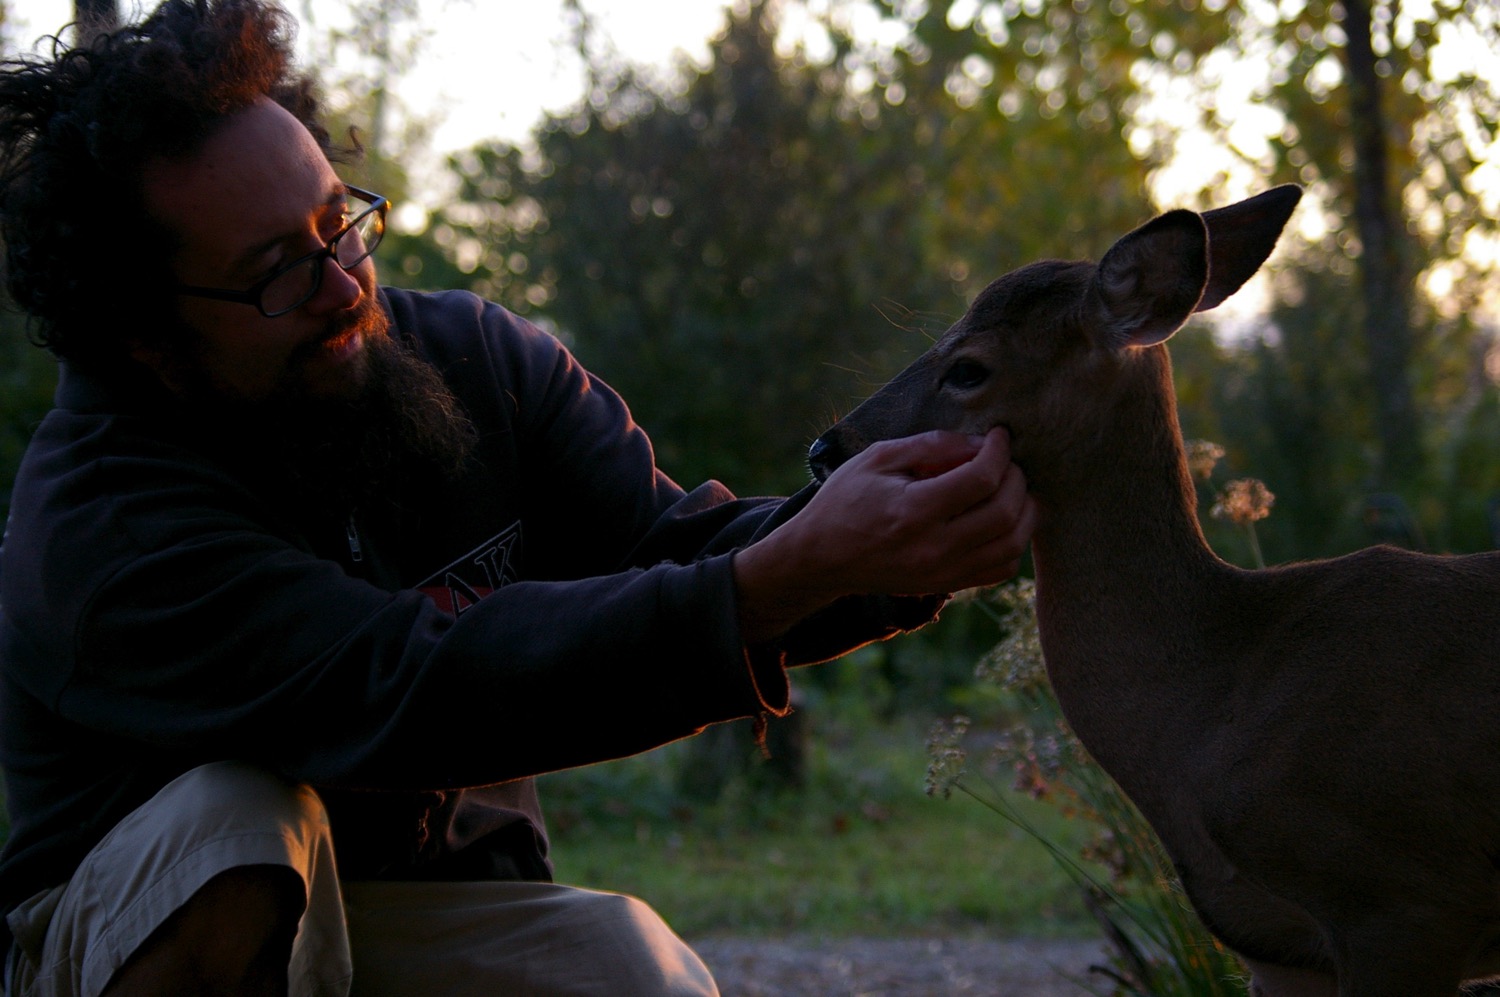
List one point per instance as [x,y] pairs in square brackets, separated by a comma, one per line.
[1317,745]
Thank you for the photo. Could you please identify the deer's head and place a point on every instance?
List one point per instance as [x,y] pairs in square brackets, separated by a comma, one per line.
[1044,349]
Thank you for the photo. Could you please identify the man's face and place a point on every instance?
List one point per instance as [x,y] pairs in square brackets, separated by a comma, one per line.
[258,195]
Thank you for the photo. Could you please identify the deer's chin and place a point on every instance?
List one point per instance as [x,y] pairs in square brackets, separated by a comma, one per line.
[821,473]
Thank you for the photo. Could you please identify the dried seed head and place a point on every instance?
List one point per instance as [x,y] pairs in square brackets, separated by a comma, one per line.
[1244,502]
[945,756]
[1202,455]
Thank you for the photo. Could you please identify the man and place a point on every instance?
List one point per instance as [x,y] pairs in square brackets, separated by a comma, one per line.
[295,551]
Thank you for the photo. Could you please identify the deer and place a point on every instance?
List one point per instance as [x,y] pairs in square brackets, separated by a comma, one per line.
[1317,744]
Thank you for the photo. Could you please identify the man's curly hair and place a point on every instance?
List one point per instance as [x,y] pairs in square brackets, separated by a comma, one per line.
[82,257]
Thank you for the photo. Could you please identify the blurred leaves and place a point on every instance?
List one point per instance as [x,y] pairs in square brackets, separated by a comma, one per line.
[747,247]
[746,256]
[746,252]
[27,378]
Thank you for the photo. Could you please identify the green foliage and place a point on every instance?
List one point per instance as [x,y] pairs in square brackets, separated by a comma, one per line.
[1025,110]
[1292,402]
[858,850]
[746,249]
[1407,212]
[744,256]
[366,59]
[720,255]
[1439,123]
[27,378]
[745,253]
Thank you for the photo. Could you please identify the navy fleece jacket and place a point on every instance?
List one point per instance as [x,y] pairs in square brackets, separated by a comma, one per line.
[561,602]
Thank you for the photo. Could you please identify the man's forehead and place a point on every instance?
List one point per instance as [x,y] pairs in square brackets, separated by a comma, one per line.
[252,154]
[255,178]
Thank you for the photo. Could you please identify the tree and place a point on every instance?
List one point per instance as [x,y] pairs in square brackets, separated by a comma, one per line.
[1364,107]
[1032,108]
[27,377]
[1285,411]
[1384,135]
[97,15]
[904,176]
[1383,271]
[720,254]
[1387,136]
[748,252]
[361,56]
[745,255]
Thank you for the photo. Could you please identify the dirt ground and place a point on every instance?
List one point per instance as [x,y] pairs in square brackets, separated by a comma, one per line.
[885,967]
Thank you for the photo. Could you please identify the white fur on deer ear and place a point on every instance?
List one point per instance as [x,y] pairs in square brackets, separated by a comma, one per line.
[1150,281]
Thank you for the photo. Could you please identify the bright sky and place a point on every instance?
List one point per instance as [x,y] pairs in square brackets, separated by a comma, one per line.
[488,68]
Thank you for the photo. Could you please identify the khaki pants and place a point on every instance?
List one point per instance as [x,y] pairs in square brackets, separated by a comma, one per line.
[366,939]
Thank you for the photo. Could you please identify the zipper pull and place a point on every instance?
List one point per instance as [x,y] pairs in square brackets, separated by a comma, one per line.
[356,552]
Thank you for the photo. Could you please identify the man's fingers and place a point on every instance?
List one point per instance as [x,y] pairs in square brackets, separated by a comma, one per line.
[924,455]
[995,531]
[888,528]
[973,482]
[987,564]
[1004,503]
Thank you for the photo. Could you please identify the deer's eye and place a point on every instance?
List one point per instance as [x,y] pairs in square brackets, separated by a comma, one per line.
[965,374]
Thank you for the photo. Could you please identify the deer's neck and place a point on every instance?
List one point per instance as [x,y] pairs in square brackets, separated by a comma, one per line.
[1118,504]
[1123,572]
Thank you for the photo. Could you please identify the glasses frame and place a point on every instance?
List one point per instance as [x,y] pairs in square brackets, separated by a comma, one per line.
[252,295]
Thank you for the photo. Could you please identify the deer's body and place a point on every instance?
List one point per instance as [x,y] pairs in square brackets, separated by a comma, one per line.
[1317,745]
[1295,735]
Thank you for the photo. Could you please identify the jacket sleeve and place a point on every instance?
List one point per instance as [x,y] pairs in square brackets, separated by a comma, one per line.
[194,621]
[598,501]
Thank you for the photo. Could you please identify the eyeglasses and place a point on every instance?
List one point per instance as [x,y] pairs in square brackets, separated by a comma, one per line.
[294,285]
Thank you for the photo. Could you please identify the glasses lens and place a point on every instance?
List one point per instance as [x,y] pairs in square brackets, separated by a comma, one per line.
[299,282]
[291,287]
[361,239]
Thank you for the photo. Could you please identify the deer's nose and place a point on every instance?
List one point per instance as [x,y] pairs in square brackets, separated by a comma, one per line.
[821,459]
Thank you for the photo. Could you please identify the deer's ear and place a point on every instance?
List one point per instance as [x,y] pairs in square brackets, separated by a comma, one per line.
[1241,236]
[1151,281]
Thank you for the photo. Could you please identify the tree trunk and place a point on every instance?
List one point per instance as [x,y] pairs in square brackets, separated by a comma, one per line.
[95,17]
[1384,285]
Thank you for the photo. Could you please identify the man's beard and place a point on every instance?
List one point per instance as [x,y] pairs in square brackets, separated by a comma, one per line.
[344,453]
[403,418]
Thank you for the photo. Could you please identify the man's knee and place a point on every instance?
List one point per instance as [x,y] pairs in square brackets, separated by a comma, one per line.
[650,955]
[233,936]
[519,937]
[228,797]
[222,861]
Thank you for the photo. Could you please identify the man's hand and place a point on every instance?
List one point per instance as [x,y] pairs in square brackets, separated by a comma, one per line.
[926,514]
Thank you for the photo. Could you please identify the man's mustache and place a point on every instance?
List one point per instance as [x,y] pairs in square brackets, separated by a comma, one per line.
[368,318]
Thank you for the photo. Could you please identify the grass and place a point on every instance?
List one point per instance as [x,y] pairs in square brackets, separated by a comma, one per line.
[861,849]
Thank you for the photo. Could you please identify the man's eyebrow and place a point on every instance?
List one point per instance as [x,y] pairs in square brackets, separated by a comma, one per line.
[245,264]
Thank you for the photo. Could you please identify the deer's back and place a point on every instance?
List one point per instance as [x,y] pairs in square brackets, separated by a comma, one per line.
[1355,754]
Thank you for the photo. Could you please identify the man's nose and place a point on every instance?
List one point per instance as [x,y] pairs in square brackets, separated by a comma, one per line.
[340,288]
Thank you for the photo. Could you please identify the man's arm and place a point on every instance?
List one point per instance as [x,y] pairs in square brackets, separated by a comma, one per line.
[932,513]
